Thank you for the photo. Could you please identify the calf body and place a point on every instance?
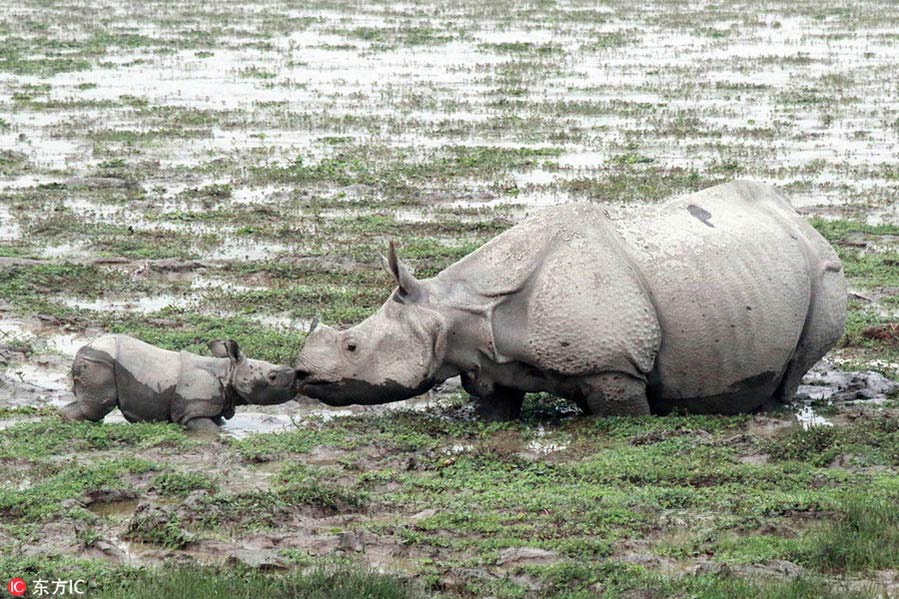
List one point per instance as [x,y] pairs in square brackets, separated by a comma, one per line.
[715,302]
[148,383]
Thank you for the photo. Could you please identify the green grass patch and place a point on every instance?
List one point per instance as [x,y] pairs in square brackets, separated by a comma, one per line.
[54,484]
[864,536]
[180,484]
[51,436]
[343,582]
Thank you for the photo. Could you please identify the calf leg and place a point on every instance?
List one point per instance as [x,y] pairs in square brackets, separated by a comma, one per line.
[615,394]
[72,411]
[500,405]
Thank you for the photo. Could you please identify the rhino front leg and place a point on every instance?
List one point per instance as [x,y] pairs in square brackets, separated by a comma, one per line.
[615,394]
[202,425]
[501,404]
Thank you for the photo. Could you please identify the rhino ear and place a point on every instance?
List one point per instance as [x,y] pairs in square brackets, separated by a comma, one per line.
[408,286]
[218,348]
[233,350]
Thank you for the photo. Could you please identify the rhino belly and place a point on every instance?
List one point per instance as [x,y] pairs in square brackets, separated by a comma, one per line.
[146,377]
[731,316]
[143,401]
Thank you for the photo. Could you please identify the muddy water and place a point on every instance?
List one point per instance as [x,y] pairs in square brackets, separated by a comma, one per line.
[43,380]
[142,305]
[118,510]
[808,418]
[251,420]
[332,75]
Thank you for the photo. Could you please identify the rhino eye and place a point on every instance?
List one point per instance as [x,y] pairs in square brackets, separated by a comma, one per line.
[351,346]
[272,377]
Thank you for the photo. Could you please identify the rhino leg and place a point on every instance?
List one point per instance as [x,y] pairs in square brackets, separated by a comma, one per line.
[823,328]
[614,394]
[500,405]
[202,425]
[72,411]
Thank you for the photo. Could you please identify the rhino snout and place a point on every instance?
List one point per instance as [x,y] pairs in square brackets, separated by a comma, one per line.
[299,376]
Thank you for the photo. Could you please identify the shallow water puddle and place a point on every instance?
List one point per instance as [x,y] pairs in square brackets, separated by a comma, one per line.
[284,321]
[13,329]
[70,249]
[808,418]
[236,248]
[246,421]
[251,423]
[141,305]
[118,510]
[543,444]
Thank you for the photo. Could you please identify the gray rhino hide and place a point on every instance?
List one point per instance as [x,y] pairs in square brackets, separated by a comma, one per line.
[152,384]
[715,302]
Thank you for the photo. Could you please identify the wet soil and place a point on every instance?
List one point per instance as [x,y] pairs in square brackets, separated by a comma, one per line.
[186,175]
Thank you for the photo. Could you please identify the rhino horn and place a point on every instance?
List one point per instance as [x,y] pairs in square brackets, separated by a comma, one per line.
[312,326]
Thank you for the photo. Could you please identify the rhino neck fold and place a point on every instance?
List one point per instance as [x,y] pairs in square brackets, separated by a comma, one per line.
[221,369]
[470,343]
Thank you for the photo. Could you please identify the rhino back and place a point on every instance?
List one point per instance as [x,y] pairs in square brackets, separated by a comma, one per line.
[146,377]
[560,296]
[730,280]
[504,264]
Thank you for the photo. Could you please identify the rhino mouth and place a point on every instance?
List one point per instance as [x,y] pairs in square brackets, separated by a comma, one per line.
[325,391]
[344,392]
[316,383]
[312,384]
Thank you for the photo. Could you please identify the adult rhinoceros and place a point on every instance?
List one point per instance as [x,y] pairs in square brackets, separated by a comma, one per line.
[715,302]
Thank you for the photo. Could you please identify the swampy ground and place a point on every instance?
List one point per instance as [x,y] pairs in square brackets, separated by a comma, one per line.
[188,171]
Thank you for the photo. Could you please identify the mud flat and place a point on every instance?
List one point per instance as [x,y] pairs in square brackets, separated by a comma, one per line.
[183,175]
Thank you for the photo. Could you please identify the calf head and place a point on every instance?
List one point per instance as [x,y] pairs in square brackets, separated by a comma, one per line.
[392,355]
[256,381]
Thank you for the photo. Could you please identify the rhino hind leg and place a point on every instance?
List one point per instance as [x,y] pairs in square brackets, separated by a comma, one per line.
[823,328]
[614,394]
[501,405]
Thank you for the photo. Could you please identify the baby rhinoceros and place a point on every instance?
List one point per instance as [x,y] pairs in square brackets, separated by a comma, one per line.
[148,383]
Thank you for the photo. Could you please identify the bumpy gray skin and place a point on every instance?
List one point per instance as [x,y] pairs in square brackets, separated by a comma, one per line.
[148,383]
[713,303]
